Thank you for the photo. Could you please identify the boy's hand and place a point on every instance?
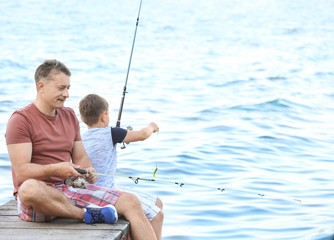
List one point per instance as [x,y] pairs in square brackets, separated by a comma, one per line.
[154,127]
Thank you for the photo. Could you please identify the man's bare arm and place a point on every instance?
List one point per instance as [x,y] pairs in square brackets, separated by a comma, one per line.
[80,157]
[20,157]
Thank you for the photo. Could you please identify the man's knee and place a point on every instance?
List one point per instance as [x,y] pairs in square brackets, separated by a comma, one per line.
[128,203]
[130,200]
[29,190]
[159,203]
[159,217]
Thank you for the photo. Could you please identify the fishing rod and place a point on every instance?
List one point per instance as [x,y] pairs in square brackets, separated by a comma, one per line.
[181,184]
[118,123]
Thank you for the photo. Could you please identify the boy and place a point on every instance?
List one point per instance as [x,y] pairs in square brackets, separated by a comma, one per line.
[100,144]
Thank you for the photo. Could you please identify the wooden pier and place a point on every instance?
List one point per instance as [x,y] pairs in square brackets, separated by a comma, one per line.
[12,227]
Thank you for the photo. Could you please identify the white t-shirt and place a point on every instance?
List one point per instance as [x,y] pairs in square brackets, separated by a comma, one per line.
[100,145]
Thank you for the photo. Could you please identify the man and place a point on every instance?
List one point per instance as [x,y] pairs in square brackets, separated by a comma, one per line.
[44,146]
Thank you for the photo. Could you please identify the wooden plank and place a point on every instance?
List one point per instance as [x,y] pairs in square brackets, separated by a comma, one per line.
[52,234]
[14,222]
[8,212]
[9,203]
[12,227]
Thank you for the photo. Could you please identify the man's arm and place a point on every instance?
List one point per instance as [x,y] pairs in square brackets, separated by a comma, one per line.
[80,157]
[20,157]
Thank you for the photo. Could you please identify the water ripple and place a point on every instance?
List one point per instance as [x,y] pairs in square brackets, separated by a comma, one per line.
[242,97]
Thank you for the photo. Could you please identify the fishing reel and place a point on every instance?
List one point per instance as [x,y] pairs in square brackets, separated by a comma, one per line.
[129,128]
[75,182]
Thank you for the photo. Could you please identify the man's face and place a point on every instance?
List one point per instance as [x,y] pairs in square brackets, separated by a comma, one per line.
[55,91]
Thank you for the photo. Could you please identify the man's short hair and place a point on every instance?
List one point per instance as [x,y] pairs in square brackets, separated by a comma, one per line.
[43,71]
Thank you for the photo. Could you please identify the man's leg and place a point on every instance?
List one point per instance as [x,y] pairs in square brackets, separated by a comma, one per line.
[47,200]
[130,207]
[50,201]
[154,213]
[157,221]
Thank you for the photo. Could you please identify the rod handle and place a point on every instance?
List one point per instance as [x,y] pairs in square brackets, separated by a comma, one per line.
[81,171]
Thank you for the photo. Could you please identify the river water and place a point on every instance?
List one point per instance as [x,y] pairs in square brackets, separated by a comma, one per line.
[242,92]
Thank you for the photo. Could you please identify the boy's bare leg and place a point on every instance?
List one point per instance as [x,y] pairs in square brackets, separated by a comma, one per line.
[130,207]
[157,221]
[48,200]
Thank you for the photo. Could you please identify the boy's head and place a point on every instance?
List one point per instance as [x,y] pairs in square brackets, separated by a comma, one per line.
[91,107]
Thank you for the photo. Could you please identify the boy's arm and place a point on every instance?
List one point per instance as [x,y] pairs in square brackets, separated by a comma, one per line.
[144,133]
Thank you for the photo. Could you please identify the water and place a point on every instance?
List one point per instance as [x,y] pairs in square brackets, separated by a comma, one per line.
[242,92]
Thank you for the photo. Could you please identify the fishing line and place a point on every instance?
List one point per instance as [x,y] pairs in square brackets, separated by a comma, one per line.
[181,184]
[118,123]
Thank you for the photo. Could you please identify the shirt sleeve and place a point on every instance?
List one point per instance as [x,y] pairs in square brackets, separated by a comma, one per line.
[77,125]
[17,130]
[118,134]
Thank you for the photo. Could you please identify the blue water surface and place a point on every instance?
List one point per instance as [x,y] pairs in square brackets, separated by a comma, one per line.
[242,92]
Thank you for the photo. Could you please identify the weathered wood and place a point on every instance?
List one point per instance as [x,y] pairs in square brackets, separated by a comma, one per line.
[11,227]
[53,234]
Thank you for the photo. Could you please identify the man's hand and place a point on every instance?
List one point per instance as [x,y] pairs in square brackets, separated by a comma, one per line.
[66,170]
[90,177]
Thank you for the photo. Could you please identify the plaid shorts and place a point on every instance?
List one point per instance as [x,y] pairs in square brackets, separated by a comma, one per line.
[77,196]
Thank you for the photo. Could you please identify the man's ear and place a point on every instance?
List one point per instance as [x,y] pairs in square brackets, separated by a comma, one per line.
[40,86]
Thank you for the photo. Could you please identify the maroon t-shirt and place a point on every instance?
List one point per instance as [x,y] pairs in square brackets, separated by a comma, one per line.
[52,137]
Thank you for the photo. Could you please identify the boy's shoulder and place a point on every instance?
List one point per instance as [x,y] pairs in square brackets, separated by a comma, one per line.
[118,134]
